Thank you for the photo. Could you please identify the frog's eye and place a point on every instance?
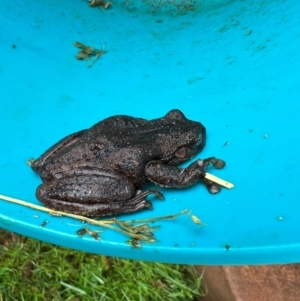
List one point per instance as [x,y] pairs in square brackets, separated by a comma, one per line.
[181,152]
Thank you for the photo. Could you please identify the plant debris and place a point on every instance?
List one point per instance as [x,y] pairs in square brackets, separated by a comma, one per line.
[29,162]
[44,223]
[101,3]
[137,230]
[86,52]
[86,230]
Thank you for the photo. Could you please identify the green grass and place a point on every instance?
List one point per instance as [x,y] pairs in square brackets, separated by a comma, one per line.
[33,270]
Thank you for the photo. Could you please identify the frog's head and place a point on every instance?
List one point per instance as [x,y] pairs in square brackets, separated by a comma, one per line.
[183,140]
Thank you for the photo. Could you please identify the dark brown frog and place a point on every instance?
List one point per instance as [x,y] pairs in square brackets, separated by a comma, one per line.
[100,171]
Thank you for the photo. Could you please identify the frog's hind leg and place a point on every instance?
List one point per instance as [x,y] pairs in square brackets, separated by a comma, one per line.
[137,203]
[92,192]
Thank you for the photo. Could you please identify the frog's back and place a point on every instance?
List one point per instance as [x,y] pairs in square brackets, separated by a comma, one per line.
[119,144]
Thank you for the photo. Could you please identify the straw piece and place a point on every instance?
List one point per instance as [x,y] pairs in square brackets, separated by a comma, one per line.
[218,180]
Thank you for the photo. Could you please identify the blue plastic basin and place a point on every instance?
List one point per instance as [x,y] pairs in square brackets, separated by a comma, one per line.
[232,65]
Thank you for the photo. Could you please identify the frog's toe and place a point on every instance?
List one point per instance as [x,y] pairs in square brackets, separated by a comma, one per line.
[212,186]
[143,194]
[217,163]
[146,205]
[134,205]
[157,193]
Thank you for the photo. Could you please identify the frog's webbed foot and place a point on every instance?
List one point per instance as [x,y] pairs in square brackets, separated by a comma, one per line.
[218,164]
[137,203]
[140,197]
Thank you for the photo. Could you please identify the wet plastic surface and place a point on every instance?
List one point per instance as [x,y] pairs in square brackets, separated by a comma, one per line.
[233,65]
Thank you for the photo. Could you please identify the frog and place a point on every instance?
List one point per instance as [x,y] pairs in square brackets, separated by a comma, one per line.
[106,170]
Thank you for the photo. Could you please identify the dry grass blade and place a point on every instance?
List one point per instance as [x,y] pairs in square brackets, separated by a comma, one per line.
[218,180]
[140,232]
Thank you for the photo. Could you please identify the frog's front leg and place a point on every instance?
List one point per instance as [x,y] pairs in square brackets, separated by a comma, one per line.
[172,176]
[92,192]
